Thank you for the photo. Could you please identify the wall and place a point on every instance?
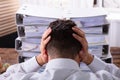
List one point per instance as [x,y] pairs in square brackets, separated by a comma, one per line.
[114,33]
[54,3]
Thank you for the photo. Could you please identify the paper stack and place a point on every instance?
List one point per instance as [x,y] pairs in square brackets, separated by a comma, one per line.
[32,21]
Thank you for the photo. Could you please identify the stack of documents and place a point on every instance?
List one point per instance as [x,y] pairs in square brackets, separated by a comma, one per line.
[32,21]
[96,29]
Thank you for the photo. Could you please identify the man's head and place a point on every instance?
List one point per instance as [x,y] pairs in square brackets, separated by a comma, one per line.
[62,44]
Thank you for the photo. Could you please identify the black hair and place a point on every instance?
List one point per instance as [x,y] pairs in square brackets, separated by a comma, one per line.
[62,43]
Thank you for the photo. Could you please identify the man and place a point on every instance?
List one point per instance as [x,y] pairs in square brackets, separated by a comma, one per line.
[63,47]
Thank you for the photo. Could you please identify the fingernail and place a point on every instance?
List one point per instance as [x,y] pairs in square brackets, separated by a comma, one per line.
[73,27]
[73,34]
[49,29]
[49,37]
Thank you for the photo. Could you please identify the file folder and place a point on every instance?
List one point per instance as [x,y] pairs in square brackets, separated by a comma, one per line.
[102,29]
[31,31]
[28,54]
[27,45]
[96,39]
[91,21]
[99,50]
[41,21]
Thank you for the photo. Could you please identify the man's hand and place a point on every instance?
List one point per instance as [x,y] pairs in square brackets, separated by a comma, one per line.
[84,54]
[43,57]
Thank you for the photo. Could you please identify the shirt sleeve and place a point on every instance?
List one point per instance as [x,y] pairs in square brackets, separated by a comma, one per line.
[98,65]
[22,68]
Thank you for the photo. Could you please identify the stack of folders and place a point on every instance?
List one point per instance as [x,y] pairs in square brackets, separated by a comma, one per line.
[30,30]
[96,29]
[33,21]
[32,26]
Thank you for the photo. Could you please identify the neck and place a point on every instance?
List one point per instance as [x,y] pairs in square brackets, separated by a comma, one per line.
[76,59]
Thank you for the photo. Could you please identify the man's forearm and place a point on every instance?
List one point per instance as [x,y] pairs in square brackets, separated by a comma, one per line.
[97,64]
[39,60]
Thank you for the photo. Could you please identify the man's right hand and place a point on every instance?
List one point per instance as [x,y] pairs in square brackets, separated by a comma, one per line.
[84,54]
[42,58]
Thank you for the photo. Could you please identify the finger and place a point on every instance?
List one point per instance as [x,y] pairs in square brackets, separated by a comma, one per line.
[79,38]
[78,31]
[47,40]
[44,43]
[46,33]
[82,40]
[78,28]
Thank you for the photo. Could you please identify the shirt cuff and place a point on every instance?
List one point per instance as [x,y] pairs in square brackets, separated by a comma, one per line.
[97,64]
[31,65]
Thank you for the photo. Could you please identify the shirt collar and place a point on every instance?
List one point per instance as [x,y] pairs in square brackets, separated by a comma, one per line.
[62,63]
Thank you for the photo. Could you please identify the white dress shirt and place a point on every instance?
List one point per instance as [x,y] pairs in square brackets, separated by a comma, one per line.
[61,69]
